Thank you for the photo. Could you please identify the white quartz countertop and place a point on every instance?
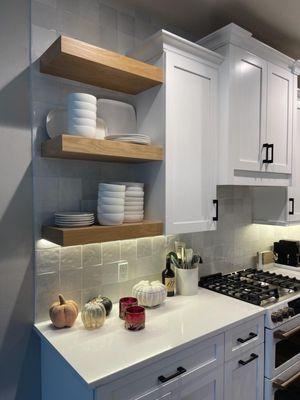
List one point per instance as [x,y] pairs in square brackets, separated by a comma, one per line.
[110,352]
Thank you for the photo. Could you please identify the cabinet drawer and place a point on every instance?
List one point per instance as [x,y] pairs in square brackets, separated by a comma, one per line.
[244,375]
[244,336]
[203,356]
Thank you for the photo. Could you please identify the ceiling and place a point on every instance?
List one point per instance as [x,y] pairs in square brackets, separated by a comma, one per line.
[275,22]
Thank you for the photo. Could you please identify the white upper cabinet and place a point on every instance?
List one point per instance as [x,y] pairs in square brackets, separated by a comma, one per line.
[256,101]
[248,109]
[280,119]
[182,116]
[191,144]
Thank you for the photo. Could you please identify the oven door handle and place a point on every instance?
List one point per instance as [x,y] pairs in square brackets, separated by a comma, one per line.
[278,383]
[286,335]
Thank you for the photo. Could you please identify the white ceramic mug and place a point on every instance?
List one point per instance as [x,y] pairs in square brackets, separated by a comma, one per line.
[186,281]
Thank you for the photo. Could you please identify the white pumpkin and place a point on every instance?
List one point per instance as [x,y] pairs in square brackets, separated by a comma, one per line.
[93,315]
[149,294]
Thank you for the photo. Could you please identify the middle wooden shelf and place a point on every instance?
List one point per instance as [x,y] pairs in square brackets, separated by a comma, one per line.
[81,148]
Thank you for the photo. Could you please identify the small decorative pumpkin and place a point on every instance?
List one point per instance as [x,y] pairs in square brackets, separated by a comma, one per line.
[93,315]
[105,301]
[149,294]
[63,313]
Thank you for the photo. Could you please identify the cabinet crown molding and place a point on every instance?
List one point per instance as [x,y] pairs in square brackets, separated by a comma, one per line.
[153,47]
[233,34]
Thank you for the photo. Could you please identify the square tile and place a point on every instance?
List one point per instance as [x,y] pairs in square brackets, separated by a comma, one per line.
[70,257]
[159,244]
[109,273]
[128,249]
[110,252]
[91,277]
[47,283]
[47,260]
[70,280]
[144,247]
[91,254]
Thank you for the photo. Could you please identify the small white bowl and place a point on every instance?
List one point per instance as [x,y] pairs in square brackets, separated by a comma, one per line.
[110,219]
[133,218]
[133,201]
[81,113]
[81,122]
[89,98]
[135,213]
[108,193]
[134,208]
[134,194]
[106,208]
[86,131]
[131,184]
[111,201]
[110,187]
[134,189]
[81,105]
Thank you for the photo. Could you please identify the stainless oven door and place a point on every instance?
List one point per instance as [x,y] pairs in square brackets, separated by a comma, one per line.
[282,347]
[286,386]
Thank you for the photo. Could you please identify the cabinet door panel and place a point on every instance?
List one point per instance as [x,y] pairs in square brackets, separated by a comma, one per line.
[191,143]
[280,118]
[248,109]
[196,386]
[245,381]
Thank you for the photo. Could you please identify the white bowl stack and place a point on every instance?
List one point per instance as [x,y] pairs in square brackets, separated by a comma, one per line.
[82,114]
[134,202]
[111,200]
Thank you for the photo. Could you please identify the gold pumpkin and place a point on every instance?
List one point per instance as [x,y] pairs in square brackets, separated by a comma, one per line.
[63,313]
[93,315]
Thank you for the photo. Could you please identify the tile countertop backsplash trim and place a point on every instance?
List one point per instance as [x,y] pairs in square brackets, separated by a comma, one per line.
[81,272]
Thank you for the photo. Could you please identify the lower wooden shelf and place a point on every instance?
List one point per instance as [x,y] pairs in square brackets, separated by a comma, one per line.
[99,233]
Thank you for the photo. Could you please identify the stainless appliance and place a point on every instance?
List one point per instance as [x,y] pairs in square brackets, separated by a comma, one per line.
[287,252]
[278,291]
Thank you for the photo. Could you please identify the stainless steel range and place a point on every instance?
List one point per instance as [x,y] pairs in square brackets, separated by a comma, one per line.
[278,291]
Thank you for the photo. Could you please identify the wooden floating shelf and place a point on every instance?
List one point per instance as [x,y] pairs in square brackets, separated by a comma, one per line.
[72,59]
[98,234]
[81,148]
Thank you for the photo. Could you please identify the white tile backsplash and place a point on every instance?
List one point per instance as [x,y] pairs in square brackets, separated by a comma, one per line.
[110,252]
[91,255]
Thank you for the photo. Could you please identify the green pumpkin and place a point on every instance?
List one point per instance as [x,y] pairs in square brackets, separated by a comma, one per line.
[108,305]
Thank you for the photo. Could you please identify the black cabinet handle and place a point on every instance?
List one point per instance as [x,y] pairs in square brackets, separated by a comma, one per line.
[253,356]
[251,336]
[163,379]
[271,146]
[216,218]
[292,200]
[266,146]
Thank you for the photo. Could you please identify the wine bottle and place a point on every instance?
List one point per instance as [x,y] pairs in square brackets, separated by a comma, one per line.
[168,278]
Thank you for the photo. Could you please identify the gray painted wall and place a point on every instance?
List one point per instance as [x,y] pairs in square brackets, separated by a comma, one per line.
[19,372]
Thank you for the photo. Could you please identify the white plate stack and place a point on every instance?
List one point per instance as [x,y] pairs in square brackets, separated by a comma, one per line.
[137,139]
[82,114]
[73,219]
[111,200]
[134,202]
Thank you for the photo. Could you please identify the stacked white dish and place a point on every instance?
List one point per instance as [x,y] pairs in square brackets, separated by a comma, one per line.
[74,219]
[134,202]
[110,207]
[120,119]
[82,114]
[137,139]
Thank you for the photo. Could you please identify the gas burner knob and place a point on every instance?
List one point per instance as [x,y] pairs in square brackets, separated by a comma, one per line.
[285,312]
[291,311]
[274,317]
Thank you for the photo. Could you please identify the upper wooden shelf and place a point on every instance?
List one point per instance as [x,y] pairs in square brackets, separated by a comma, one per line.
[81,148]
[100,234]
[72,59]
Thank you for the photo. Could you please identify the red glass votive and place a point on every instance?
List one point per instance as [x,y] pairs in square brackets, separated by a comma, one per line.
[124,303]
[135,318]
